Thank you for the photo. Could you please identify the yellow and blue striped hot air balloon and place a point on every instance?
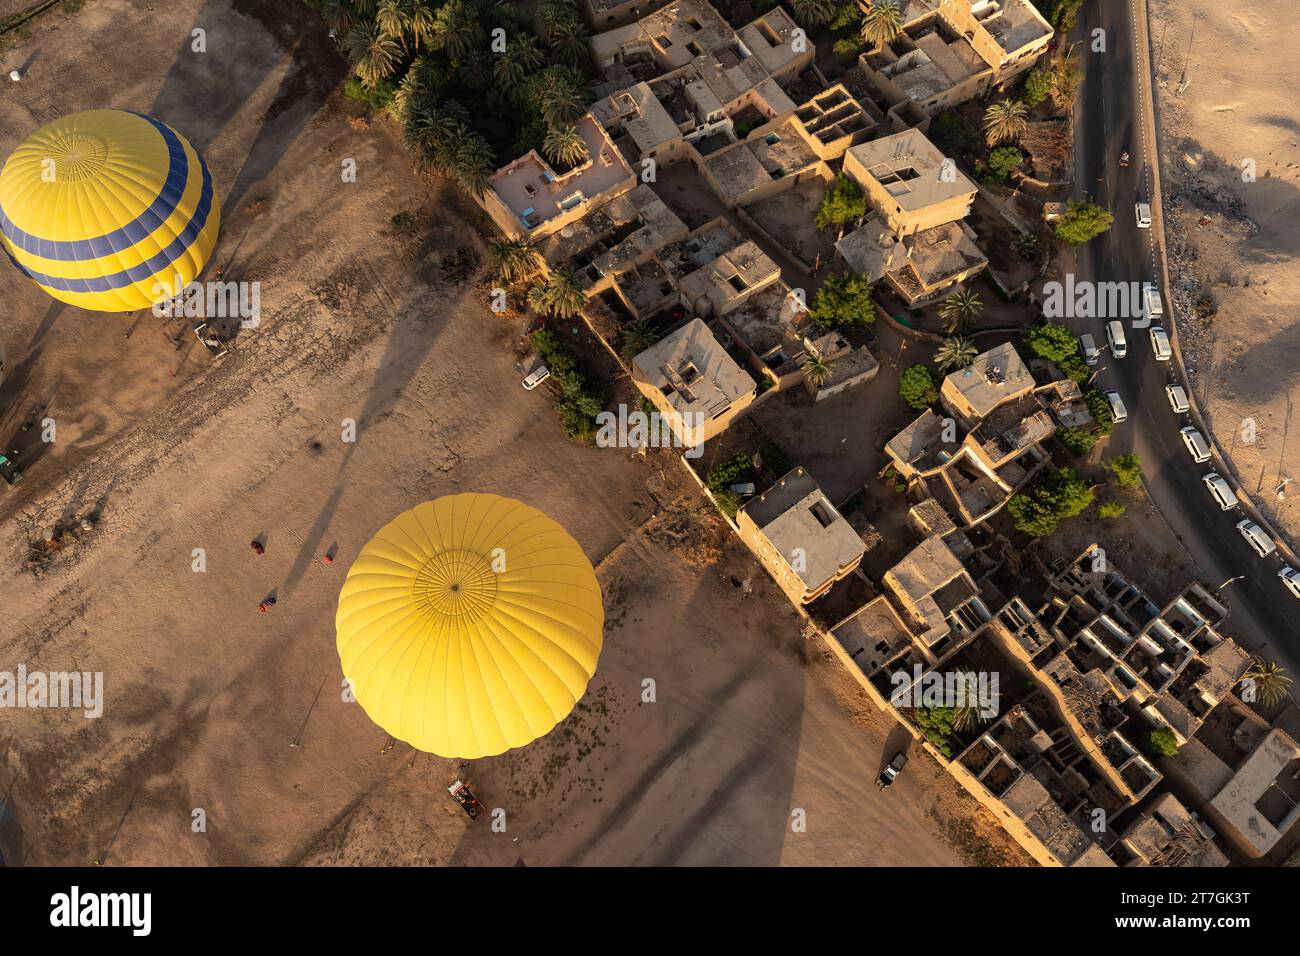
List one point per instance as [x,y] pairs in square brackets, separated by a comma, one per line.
[105,209]
[469,625]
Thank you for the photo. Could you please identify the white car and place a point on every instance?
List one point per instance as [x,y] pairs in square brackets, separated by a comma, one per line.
[1152,305]
[1291,578]
[1177,399]
[1259,542]
[1115,337]
[1088,346]
[1220,490]
[1117,409]
[1143,213]
[1160,344]
[1195,443]
[536,377]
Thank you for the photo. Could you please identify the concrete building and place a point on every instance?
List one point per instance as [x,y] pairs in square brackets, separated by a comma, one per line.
[605,14]
[920,267]
[528,198]
[909,182]
[1261,801]
[936,596]
[692,381]
[1167,834]
[995,378]
[805,544]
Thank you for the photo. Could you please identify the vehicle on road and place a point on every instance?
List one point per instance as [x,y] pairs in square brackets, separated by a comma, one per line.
[1117,409]
[1291,578]
[1220,490]
[1115,336]
[1195,443]
[1177,396]
[1143,212]
[1160,344]
[891,772]
[1088,348]
[9,471]
[1261,543]
[1123,159]
[536,377]
[1152,305]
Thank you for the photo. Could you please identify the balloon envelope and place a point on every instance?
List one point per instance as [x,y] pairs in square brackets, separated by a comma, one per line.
[104,209]
[469,625]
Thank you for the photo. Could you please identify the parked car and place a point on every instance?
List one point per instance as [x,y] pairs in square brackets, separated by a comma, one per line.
[1291,578]
[891,772]
[1220,490]
[536,377]
[1088,348]
[1153,307]
[1115,336]
[1117,409]
[1259,542]
[1177,396]
[1196,445]
[1143,212]
[1160,344]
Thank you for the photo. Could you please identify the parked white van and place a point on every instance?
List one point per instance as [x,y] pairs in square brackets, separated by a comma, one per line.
[1195,443]
[1143,212]
[1291,578]
[1160,344]
[1088,346]
[1220,490]
[1117,409]
[1115,336]
[1255,537]
[1152,305]
[536,377]
[1177,398]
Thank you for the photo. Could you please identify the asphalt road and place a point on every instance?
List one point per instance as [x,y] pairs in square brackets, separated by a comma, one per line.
[1264,616]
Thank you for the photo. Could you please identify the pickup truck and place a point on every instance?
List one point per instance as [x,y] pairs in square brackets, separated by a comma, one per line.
[888,775]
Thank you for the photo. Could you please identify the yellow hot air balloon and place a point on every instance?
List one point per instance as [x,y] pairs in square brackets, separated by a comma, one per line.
[469,625]
[105,209]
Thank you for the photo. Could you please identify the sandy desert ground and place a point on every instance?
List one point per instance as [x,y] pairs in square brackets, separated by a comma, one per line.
[1226,96]
[205,695]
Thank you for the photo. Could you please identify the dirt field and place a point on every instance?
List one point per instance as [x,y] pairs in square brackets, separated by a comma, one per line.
[211,705]
[1226,95]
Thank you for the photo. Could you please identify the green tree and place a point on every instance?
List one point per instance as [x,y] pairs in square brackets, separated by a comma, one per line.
[456,30]
[514,259]
[638,335]
[844,302]
[816,370]
[1005,121]
[1075,440]
[1057,344]
[568,41]
[1037,87]
[560,296]
[1127,470]
[1043,505]
[961,307]
[955,353]
[735,469]
[936,723]
[1026,245]
[373,53]
[843,203]
[814,13]
[1081,221]
[1268,679]
[1161,742]
[1004,160]
[1111,509]
[563,145]
[917,386]
[882,22]
[1099,408]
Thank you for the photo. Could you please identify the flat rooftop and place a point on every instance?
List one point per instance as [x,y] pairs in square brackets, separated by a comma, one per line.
[928,568]
[531,189]
[873,635]
[794,514]
[991,379]
[694,371]
[1014,24]
[908,167]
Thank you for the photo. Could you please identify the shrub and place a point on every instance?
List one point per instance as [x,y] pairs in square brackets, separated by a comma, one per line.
[775,461]
[1076,441]
[1040,508]
[1161,742]
[1057,344]
[844,302]
[843,203]
[917,387]
[936,724]
[378,98]
[728,502]
[1003,161]
[1111,509]
[1127,470]
[578,405]
[1038,84]
[1099,407]
[729,472]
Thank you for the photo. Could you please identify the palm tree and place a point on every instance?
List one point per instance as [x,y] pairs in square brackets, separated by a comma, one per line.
[340,15]
[514,259]
[522,56]
[958,309]
[475,71]
[1005,121]
[560,296]
[553,13]
[373,53]
[473,164]
[1026,245]
[638,336]
[816,370]
[882,22]
[561,105]
[423,24]
[814,13]
[563,145]
[969,714]
[455,30]
[568,41]
[1065,86]
[955,353]
[1269,678]
[394,18]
